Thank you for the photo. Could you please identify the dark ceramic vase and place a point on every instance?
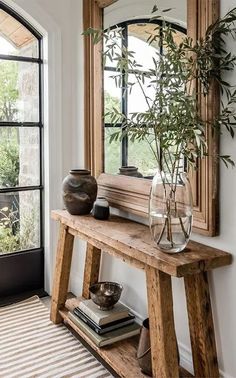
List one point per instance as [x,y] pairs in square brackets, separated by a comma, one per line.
[144,349]
[130,170]
[101,209]
[79,191]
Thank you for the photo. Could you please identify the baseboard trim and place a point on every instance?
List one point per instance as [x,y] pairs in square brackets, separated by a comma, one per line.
[185,357]
[187,362]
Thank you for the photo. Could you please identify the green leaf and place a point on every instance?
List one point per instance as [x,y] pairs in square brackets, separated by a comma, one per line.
[154,9]
[226,159]
[167,10]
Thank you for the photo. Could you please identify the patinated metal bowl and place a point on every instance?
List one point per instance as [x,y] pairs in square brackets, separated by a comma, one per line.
[105,294]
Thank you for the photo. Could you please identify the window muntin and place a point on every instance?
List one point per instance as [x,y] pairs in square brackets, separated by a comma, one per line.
[134,35]
[21,175]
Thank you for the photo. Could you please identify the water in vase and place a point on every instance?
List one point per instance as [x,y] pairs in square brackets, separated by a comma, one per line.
[170,233]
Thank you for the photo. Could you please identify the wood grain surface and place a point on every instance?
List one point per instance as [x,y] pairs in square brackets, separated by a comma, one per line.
[201,326]
[161,320]
[92,267]
[120,236]
[105,3]
[93,88]
[62,272]
[132,242]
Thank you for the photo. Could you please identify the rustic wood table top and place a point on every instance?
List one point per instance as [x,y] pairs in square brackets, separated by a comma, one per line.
[132,242]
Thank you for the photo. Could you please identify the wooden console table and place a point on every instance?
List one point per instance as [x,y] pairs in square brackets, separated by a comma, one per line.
[132,243]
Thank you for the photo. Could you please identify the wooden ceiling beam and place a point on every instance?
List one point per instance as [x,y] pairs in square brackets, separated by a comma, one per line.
[105,3]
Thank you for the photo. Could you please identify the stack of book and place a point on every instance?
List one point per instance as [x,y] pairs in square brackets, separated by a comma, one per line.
[104,327]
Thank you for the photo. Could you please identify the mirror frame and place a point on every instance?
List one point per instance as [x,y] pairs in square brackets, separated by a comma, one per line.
[131,194]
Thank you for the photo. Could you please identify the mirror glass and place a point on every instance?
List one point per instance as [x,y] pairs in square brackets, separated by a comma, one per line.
[125,156]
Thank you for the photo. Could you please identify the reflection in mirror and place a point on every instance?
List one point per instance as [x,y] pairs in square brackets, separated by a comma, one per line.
[114,186]
[129,98]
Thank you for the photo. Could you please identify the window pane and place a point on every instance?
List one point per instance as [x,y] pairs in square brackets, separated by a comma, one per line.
[113,45]
[141,156]
[112,152]
[137,42]
[19,91]
[112,95]
[19,157]
[19,221]
[136,99]
[15,38]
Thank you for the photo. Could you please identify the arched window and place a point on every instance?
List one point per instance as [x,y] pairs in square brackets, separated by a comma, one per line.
[21,176]
[134,36]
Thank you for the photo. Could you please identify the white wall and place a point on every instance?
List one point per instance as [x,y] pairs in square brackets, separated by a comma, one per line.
[61,23]
[126,10]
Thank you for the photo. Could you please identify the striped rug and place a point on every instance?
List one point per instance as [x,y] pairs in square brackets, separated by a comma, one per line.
[31,346]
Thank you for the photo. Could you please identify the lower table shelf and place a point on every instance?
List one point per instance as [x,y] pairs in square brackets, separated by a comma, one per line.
[121,356]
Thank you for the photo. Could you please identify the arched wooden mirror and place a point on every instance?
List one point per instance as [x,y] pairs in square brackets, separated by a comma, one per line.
[128,193]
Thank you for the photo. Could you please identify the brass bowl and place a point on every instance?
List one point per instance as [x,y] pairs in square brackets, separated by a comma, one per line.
[105,294]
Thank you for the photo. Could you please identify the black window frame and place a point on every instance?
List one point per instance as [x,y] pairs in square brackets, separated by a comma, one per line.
[124,93]
[39,125]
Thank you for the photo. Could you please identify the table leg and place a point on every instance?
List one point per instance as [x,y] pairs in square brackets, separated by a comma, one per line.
[201,326]
[161,320]
[91,269]
[62,273]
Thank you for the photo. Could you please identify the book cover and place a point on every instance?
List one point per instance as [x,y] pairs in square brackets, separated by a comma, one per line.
[108,338]
[107,327]
[103,317]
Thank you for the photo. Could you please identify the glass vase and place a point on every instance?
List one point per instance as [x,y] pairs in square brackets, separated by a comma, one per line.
[170,211]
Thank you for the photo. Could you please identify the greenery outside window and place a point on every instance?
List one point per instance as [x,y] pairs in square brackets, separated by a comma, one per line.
[21,179]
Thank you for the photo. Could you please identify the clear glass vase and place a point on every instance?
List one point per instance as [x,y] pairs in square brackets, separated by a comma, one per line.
[170,211]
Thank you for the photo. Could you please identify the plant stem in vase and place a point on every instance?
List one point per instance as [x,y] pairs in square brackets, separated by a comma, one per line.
[170,211]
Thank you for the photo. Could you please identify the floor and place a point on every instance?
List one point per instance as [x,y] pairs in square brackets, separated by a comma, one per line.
[21,297]
[47,302]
